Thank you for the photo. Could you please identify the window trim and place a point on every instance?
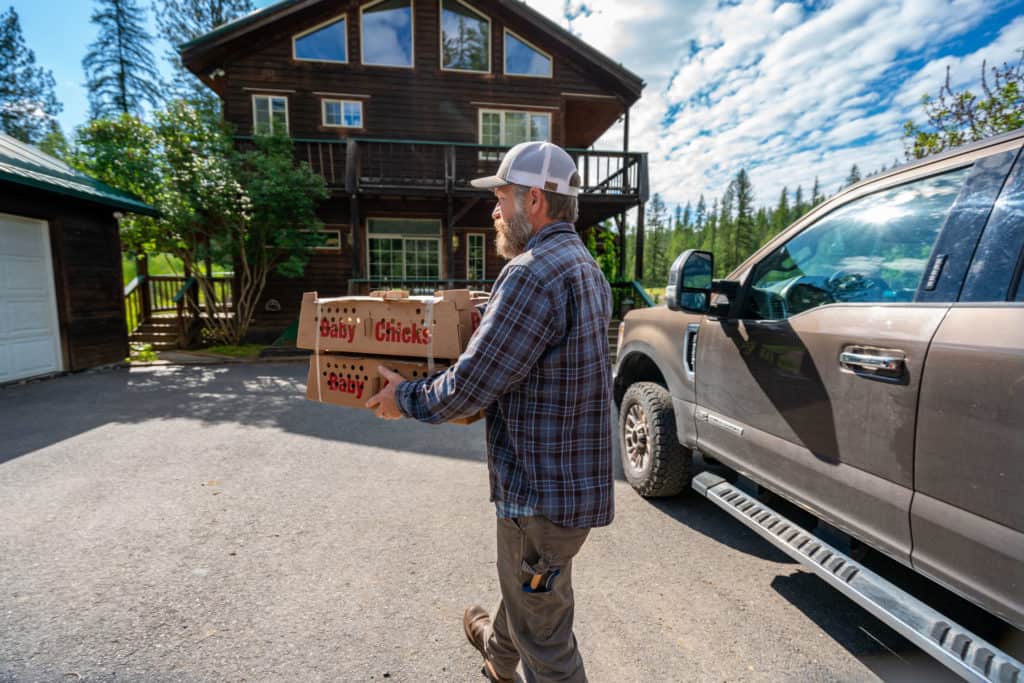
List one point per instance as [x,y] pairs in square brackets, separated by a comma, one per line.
[297,36]
[501,126]
[331,228]
[323,113]
[287,115]
[412,37]
[440,43]
[483,271]
[504,56]
[439,239]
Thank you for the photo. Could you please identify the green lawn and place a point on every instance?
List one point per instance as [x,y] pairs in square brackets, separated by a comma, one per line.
[161,264]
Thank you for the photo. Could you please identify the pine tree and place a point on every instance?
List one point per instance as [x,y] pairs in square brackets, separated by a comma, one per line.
[688,216]
[28,104]
[816,197]
[854,176]
[799,206]
[120,71]
[656,244]
[701,214]
[762,227]
[746,239]
[780,216]
[178,22]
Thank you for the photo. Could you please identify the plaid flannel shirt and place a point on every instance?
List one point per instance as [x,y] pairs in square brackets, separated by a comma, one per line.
[539,365]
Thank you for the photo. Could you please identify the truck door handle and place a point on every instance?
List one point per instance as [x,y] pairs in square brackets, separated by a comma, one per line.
[880,360]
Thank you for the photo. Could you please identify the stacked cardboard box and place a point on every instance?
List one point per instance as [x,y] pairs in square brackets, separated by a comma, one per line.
[412,335]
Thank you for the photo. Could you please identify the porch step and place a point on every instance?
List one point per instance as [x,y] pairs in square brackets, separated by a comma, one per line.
[613,338]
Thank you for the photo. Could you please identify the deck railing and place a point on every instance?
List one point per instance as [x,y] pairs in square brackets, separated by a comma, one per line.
[361,164]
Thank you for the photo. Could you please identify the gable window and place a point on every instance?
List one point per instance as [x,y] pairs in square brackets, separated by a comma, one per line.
[269,115]
[465,38]
[404,249]
[387,33]
[475,256]
[343,113]
[524,59]
[324,43]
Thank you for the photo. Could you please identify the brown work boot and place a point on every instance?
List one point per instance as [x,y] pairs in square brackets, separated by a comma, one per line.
[474,622]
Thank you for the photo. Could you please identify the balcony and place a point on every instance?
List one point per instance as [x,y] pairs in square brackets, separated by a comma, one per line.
[357,166]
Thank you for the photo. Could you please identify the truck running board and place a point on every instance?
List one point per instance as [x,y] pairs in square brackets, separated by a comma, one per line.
[964,653]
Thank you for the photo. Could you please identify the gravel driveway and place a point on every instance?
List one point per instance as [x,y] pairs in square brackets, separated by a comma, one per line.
[209,524]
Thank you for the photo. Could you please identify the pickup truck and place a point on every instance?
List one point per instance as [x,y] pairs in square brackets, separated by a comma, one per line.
[867,365]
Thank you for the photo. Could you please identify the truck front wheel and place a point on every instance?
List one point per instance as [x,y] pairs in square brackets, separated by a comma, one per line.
[654,461]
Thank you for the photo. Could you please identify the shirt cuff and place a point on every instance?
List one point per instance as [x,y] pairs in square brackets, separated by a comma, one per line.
[403,396]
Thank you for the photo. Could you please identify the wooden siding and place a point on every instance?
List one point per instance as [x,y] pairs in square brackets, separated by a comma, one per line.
[86,251]
[424,102]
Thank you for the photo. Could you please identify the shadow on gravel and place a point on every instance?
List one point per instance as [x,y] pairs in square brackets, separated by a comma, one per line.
[38,414]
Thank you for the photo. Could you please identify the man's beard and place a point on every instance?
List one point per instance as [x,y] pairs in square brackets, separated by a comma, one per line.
[513,235]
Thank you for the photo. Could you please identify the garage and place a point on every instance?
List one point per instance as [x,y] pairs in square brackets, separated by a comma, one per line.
[61,286]
[29,335]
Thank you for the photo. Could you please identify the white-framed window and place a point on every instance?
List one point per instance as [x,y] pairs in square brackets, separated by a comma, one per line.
[523,58]
[332,238]
[476,256]
[465,38]
[510,127]
[343,113]
[404,248]
[269,115]
[326,42]
[386,33]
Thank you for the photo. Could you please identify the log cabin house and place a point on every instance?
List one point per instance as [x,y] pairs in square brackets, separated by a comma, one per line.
[398,104]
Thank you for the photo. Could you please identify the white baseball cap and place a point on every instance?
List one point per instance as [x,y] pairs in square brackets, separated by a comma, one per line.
[534,164]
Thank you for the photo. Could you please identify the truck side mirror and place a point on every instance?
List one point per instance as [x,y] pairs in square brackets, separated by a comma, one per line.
[689,282]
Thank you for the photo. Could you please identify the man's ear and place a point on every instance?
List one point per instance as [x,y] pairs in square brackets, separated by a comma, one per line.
[538,201]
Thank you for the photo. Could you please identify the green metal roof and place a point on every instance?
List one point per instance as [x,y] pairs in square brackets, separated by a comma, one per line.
[25,165]
[236,24]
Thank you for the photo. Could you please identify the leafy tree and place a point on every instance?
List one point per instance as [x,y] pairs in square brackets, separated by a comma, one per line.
[603,246]
[56,144]
[958,117]
[254,209]
[178,22]
[120,71]
[28,104]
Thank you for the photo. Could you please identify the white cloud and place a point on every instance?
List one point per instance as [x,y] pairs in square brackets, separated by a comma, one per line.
[786,92]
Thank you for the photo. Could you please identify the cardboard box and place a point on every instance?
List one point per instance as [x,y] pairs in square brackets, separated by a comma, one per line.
[350,381]
[390,324]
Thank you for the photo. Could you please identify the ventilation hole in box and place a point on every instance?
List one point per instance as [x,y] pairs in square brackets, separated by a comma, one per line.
[417,311]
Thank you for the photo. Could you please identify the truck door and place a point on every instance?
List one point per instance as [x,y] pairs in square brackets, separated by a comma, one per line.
[813,389]
[967,516]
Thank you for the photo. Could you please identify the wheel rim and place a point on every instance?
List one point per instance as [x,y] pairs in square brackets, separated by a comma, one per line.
[635,433]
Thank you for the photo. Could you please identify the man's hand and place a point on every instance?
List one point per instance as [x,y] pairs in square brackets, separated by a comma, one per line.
[384,400]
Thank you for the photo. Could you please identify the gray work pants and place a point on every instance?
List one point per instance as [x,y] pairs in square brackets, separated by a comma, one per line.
[536,626]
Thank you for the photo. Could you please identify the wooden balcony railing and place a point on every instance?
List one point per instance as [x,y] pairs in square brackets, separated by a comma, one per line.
[362,164]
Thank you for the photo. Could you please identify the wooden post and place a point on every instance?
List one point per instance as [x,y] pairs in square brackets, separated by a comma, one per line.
[353,226]
[638,274]
[625,134]
[449,232]
[142,272]
[620,220]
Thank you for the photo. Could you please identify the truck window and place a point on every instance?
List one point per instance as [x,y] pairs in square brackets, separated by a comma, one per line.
[872,250]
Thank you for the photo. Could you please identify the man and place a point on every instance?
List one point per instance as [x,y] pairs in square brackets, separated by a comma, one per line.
[539,365]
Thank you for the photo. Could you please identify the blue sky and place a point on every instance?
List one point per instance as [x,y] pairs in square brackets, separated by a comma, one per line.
[789,90]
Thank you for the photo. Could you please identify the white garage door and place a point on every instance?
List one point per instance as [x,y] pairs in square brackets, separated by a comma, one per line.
[29,336]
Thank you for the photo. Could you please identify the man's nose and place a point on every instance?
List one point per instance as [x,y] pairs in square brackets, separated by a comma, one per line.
[496,214]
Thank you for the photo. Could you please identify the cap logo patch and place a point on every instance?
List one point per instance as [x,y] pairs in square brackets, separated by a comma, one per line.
[550,186]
